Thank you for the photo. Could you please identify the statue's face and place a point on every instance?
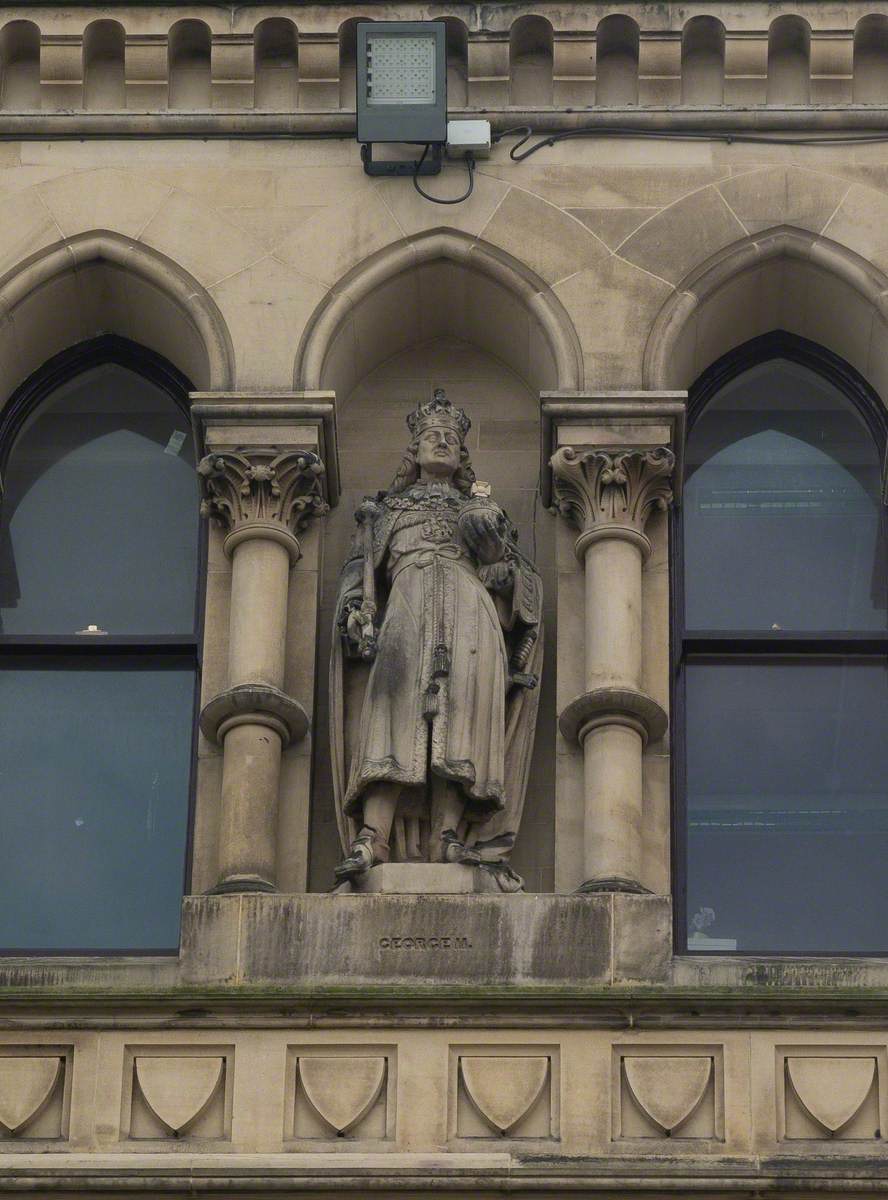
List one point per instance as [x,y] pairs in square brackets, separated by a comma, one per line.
[437,451]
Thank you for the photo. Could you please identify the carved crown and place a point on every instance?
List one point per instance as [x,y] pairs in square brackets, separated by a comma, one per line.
[437,412]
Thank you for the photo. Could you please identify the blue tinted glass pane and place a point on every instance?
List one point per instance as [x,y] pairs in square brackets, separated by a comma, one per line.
[787,791]
[782,509]
[100,515]
[94,785]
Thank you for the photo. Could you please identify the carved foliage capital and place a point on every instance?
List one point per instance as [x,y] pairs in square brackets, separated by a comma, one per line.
[265,485]
[597,489]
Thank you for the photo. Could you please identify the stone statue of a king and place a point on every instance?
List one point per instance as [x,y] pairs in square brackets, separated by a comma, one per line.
[436,660]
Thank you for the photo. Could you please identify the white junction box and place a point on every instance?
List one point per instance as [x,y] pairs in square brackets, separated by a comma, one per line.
[465,136]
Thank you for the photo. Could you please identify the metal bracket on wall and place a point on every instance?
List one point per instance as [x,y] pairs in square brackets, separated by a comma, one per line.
[431,165]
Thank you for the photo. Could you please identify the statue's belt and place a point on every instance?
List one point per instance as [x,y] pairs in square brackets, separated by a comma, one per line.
[427,558]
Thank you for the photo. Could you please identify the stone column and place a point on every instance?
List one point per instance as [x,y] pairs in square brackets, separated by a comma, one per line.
[612,467]
[609,496]
[263,496]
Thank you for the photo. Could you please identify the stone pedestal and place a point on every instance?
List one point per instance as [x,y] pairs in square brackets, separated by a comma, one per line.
[426,879]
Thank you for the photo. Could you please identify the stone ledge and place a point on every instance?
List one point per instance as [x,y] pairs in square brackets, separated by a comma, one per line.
[480,1175]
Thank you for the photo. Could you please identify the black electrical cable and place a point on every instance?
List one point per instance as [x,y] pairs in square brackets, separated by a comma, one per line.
[714,135]
[470,167]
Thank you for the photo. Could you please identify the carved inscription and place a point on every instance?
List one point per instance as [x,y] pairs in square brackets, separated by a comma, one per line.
[425,943]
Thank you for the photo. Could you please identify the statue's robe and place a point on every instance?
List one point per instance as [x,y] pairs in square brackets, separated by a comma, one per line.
[441,627]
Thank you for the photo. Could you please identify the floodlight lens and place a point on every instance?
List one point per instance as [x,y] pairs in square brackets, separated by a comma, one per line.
[400,70]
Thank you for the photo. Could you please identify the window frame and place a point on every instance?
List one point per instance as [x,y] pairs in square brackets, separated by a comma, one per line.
[56,371]
[757,646]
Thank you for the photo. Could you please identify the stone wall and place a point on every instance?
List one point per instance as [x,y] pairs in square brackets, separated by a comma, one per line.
[187,177]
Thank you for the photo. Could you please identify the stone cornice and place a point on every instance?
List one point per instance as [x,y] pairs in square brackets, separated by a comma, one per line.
[720,123]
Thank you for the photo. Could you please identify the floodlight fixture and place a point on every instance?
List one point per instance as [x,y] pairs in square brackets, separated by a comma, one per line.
[401,91]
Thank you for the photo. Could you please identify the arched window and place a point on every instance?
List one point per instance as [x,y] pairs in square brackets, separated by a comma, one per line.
[782,687]
[98,652]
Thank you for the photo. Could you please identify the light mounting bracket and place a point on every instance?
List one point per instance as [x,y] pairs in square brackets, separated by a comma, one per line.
[431,164]
[401,92]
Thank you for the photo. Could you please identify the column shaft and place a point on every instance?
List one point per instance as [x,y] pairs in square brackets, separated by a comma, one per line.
[260,570]
[613,613]
[250,776]
[612,749]
[612,762]
[260,580]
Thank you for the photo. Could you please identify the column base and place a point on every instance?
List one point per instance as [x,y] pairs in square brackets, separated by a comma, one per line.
[614,883]
[236,884]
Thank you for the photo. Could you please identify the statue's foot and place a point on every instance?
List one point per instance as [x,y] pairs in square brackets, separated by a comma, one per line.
[357,863]
[455,851]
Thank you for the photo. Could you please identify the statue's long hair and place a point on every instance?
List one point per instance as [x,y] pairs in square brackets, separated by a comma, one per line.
[408,472]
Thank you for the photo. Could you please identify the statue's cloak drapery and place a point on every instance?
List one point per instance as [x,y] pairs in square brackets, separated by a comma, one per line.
[429,591]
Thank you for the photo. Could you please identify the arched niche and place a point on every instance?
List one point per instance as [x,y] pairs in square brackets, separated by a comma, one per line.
[443,283]
[531,50]
[616,61]
[457,43]
[440,311]
[20,65]
[104,76]
[189,54]
[870,75]
[348,60]
[782,279]
[703,61]
[789,61]
[275,64]
[99,283]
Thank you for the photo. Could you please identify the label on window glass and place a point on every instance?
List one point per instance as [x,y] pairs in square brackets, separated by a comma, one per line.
[176,442]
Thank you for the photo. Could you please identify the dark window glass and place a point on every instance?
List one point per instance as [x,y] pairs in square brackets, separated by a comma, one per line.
[94,794]
[782,500]
[99,512]
[787,799]
[98,654]
[783,764]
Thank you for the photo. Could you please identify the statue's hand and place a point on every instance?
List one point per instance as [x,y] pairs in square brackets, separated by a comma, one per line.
[367,511]
[483,526]
[358,626]
[352,622]
[497,577]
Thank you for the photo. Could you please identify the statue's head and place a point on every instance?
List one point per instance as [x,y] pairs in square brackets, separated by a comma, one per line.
[437,448]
